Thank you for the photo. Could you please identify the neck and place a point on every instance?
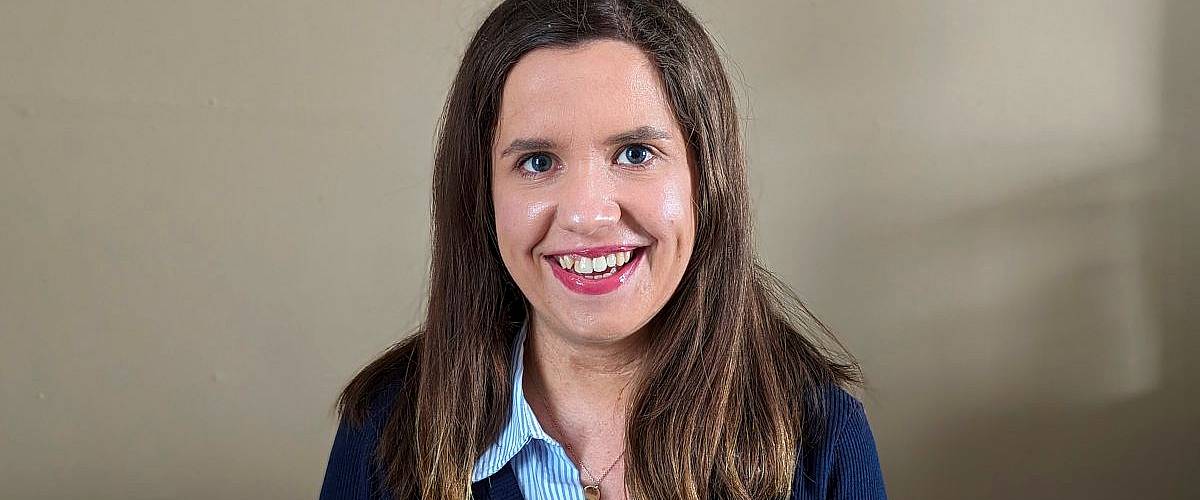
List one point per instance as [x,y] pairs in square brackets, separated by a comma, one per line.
[583,383]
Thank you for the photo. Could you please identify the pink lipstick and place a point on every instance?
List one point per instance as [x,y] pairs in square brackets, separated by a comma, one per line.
[586,284]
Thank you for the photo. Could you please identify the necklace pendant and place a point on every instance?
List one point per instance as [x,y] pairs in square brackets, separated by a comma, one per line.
[591,492]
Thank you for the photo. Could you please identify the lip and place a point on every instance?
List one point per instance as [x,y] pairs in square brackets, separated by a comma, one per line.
[587,286]
[594,251]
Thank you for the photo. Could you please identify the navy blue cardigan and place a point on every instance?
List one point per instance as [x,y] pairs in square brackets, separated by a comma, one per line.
[843,466]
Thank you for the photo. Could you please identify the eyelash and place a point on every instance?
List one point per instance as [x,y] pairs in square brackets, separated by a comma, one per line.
[638,166]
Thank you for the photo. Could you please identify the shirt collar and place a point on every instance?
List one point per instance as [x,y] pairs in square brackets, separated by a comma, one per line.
[522,426]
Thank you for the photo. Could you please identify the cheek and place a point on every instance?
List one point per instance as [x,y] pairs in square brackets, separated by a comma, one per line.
[519,221]
[675,203]
[676,211]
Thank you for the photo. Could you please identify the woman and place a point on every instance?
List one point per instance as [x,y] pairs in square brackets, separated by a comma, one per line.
[597,324]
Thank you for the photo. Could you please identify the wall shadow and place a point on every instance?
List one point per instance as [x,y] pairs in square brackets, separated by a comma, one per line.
[1124,423]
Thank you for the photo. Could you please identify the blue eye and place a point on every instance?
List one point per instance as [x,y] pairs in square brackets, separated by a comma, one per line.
[537,163]
[634,154]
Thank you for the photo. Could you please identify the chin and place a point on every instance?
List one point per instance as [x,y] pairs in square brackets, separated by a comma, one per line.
[590,328]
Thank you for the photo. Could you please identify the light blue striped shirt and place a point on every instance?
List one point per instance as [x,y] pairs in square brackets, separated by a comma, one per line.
[540,463]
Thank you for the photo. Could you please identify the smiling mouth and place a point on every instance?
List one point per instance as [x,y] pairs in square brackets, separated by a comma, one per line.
[597,267]
[595,273]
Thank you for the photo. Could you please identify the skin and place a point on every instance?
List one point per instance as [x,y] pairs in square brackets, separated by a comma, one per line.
[583,350]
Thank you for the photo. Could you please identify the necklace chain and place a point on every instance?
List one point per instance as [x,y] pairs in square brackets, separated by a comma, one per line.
[593,488]
[595,482]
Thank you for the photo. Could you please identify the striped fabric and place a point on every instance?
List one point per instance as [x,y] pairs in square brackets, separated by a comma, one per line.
[541,465]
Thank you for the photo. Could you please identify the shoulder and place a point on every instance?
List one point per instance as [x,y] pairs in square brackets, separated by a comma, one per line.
[380,403]
[366,406]
[842,461]
[844,413]
[353,470]
[372,394]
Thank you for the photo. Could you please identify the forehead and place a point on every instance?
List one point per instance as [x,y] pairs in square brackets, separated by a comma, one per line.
[597,87]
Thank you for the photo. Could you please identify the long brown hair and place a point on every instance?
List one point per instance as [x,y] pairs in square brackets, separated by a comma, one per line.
[731,386]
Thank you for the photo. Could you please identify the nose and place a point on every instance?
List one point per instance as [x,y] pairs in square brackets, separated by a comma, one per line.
[587,203]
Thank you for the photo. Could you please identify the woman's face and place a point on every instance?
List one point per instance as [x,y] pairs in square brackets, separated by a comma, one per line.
[592,185]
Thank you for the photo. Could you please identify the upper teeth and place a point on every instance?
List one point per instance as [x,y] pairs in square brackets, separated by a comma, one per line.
[583,265]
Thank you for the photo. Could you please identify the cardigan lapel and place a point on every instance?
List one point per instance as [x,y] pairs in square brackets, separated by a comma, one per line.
[499,486]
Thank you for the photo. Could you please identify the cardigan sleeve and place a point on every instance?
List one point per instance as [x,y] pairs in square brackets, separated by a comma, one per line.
[855,473]
[843,464]
[350,472]
[353,472]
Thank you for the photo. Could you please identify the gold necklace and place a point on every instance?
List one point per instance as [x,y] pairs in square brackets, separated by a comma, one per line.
[590,491]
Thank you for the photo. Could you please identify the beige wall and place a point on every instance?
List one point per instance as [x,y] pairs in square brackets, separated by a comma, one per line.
[213,213]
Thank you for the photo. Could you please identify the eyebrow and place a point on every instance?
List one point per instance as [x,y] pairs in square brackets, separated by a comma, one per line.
[642,133]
